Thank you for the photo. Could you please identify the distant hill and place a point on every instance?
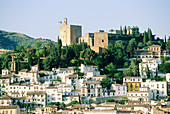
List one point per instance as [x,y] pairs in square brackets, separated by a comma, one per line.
[9,40]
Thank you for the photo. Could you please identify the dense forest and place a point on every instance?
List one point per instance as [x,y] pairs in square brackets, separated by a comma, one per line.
[9,40]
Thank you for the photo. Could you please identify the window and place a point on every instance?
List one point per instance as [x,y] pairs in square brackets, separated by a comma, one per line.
[157,85]
[162,85]
[162,92]
[88,90]
[102,40]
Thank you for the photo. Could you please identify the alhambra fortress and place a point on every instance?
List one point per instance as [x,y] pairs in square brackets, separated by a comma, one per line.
[100,39]
[70,34]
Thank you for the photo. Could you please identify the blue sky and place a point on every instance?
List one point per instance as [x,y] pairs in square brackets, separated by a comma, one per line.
[39,18]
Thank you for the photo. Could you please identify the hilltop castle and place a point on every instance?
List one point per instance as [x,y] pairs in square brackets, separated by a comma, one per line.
[69,34]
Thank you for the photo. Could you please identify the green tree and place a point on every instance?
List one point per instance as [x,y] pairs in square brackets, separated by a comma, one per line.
[105,82]
[58,79]
[62,105]
[17,66]
[145,38]
[134,67]
[131,46]
[147,71]
[149,43]
[121,32]
[44,51]
[168,45]
[140,45]
[165,39]
[89,54]
[127,73]
[98,61]
[106,56]
[111,50]
[125,31]
[73,102]
[119,77]
[19,48]
[30,61]
[79,99]
[84,45]
[110,69]
[38,45]
[59,45]
[120,52]
[150,36]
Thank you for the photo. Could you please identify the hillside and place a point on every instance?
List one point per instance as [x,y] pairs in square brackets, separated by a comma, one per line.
[9,40]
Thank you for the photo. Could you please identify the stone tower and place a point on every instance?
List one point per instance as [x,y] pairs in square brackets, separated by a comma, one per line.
[13,64]
[69,34]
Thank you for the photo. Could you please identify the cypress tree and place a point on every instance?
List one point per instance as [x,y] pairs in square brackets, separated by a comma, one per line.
[165,38]
[125,30]
[38,62]
[29,61]
[147,71]
[150,37]
[59,45]
[120,30]
[17,66]
[16,69]
[145,39]
[59,48]
[45,51]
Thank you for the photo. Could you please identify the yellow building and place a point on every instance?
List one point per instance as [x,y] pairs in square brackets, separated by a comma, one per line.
[132,83]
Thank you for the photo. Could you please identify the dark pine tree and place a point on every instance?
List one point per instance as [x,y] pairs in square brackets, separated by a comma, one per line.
[125,31]
[120,30]
[29,61]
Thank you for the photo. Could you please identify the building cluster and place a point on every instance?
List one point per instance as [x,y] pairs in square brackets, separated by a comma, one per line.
[35,89]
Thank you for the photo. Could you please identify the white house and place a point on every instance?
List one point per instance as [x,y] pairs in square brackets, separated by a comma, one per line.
[84,69]
[5,72]
[144,94]
[152,65]
[159,88]
[120,90]
[53,94]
